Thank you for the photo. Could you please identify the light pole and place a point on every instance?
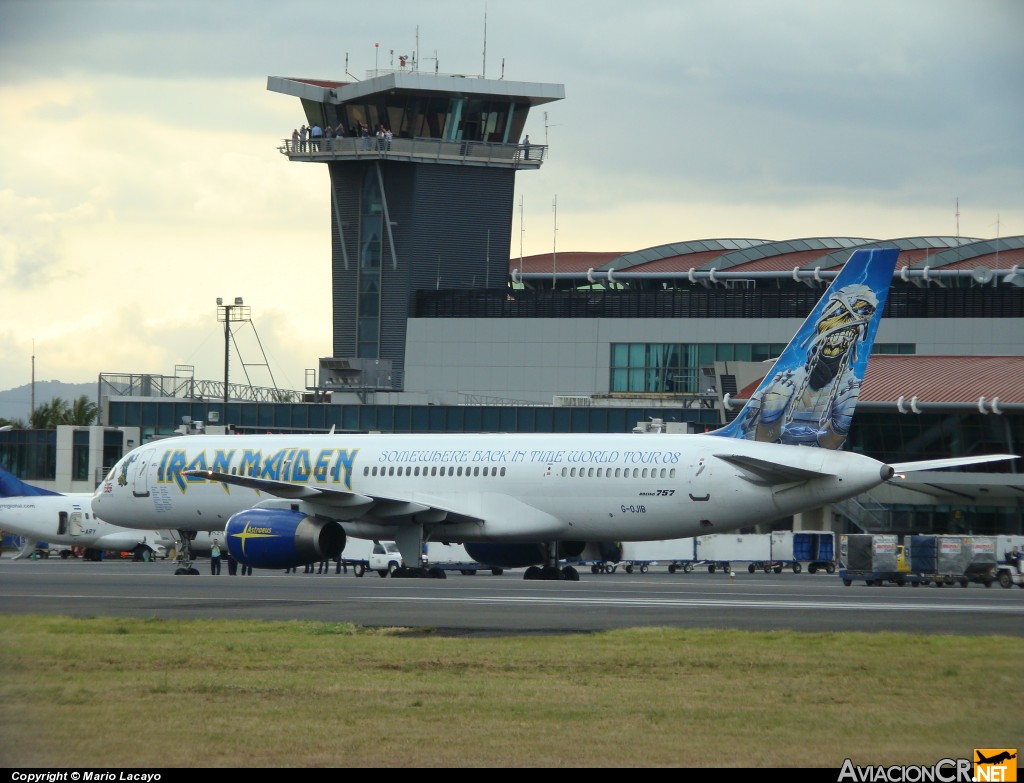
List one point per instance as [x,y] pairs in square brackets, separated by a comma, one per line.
[229,313]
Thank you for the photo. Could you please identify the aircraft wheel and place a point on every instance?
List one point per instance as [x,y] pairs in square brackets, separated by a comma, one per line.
[193,572]
[439,573]
[551,573]
[180,571]
[497,571]
[571,574]
[533,572]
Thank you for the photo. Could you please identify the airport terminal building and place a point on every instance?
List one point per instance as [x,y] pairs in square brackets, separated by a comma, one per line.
[437,327]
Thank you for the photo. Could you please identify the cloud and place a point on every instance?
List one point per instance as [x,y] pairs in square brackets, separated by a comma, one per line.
[141,179]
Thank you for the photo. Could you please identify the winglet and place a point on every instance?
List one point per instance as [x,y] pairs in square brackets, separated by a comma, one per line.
[809,396]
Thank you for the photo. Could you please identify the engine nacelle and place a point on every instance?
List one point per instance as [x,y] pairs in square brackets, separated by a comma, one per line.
[280,538]
[520,555]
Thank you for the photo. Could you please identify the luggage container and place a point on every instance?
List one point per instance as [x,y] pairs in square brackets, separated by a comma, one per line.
[873,558]
[954,559]
[794,549]
[720,550]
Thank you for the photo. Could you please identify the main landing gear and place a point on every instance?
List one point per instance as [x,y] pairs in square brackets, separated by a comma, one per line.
[551,571]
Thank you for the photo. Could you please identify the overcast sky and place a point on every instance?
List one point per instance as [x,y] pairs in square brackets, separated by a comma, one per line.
[140,180]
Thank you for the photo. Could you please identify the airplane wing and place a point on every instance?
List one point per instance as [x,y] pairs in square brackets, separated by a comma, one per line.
[382,507]
[283,489]
[949,462]
[761,471]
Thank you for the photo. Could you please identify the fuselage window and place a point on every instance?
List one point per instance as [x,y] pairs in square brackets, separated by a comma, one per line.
[572,472]
[451,471]
[636,472]
[433,470]
[476,471]
[645,473]
[459,471]
[672,473]
[503,471]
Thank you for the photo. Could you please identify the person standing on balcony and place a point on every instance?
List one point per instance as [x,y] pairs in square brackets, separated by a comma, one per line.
[295,140]
[526,146]
[302,138]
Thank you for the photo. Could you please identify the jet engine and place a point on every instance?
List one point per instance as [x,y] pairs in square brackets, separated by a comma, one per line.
[280,538]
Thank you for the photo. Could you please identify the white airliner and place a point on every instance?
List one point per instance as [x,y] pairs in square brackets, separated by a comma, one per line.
[518,500]
[39,515]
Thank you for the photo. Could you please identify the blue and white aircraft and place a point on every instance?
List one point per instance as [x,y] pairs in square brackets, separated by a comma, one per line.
[532,500]
[40,515]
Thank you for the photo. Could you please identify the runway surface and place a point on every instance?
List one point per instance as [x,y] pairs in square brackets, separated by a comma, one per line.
[485,604]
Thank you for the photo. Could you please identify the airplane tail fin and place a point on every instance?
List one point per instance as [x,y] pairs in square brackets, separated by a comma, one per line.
[13,487]
[809,396]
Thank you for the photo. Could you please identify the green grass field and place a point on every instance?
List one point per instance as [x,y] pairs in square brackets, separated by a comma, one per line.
[107,692]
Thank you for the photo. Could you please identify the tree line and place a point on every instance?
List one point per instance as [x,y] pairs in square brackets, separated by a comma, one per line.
[81,412]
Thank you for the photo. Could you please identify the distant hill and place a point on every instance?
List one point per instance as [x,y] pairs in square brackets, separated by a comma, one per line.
[17,403]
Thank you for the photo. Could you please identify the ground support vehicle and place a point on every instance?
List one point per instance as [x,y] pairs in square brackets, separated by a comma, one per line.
[1010,574]
[385,558]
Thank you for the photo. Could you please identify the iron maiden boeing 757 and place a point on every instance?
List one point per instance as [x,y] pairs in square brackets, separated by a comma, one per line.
[532,500]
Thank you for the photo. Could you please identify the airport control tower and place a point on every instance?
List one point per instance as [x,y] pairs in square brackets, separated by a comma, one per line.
[431,208]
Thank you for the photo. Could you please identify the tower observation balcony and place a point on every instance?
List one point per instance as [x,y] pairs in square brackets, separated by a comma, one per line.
[419,150]
[433,118]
